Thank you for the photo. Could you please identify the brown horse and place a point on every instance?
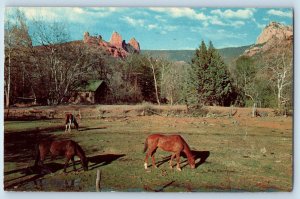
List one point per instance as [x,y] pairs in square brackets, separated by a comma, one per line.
[171,143]
[69,119]
[68,148]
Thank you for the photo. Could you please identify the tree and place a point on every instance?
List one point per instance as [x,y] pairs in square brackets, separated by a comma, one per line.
[245,74]
[17,43]
[154,65]
[280,66]
[172,81]
[214,85]
[57,62]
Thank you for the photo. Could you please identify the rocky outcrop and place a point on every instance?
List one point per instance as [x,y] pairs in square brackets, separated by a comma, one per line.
[272,35]
[135,44]
[117,47]
[116,39]
[275,29]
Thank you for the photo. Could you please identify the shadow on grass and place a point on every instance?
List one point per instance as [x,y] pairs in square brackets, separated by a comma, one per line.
[92,128]
[161,189]
[102,160]
[37,172]
[202,155]
[20,146]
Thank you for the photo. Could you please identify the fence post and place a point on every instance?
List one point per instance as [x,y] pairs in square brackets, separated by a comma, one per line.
[98,178]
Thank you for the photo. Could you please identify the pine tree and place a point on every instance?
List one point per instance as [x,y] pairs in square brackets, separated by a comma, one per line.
[213,81]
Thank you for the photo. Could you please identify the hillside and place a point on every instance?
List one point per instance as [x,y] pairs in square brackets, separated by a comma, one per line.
[275,36]
[228,54]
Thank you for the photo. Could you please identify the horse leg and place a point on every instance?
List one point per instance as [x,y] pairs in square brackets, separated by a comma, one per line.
[178,161]
[172,157]
[153,161]
[150,152]
[70,125]
[66,127]
[66,164]
[146,160]
[74,167]
[153,158]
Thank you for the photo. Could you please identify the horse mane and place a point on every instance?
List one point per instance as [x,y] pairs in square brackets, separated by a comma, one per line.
[79,150]
[186,147]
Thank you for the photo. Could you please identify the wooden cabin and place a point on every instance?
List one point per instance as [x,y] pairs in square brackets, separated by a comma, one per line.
[91,92]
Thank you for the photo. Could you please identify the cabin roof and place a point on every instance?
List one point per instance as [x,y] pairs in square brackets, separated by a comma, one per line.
[90,86]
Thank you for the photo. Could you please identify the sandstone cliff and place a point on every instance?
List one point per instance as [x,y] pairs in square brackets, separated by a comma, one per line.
[271,36]
[117,47]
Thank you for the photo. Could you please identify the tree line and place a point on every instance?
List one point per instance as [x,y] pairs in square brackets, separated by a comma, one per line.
[46,67]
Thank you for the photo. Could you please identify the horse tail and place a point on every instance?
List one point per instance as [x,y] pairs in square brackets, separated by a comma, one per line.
[37,155]
[146,145]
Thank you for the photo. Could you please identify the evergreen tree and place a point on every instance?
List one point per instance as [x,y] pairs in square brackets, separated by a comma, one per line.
[213,81]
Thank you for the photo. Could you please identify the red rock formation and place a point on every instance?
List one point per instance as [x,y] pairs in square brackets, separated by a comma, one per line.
[272,35]
[116,39]
[274,29]
[135,44]
[116,46]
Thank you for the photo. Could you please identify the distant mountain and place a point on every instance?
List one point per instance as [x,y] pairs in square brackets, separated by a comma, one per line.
[228,54]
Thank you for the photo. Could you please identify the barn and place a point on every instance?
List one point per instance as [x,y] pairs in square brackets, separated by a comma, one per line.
[91,92]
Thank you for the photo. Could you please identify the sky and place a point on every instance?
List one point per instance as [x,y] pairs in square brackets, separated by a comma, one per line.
[165,28]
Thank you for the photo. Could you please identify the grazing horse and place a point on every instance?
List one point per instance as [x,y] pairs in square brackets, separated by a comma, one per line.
[171,143]
[68,148]
[70,118]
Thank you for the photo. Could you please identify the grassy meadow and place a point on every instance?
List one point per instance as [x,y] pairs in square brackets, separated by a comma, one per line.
[233,154]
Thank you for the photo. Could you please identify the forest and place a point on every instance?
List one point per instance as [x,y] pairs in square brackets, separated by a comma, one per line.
[45,66]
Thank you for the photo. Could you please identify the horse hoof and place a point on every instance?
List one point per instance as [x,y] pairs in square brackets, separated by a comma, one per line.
[179,169]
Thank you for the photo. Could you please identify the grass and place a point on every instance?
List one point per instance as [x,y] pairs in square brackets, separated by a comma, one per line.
[246,154]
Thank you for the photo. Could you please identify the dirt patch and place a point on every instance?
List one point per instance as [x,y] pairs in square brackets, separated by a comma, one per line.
[121,111]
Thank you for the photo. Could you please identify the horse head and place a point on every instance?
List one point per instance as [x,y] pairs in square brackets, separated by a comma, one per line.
[191,160]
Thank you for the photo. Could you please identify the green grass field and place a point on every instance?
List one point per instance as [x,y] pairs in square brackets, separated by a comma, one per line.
[240,154]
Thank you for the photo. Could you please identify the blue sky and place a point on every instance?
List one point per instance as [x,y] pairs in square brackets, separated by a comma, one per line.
[171,28]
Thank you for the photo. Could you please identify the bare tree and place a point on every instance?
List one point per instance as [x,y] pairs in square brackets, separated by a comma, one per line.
[172,80]
[57,61]
[16,41]
[280,65]
[154,64]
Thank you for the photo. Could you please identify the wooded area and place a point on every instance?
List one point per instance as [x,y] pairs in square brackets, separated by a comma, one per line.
[45,66]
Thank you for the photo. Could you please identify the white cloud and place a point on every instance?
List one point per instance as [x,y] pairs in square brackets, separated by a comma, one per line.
[280,13]
[240,13]
[181,12]
[170,28]
[152,26]
[160,18]
[205,24]
[216,21]
[237,23]
[41,12]
[74,14]
[133,22]
[259,25]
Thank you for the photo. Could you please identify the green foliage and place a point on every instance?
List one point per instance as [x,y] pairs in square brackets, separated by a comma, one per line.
[137,73]
[211,77]
[228,54]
